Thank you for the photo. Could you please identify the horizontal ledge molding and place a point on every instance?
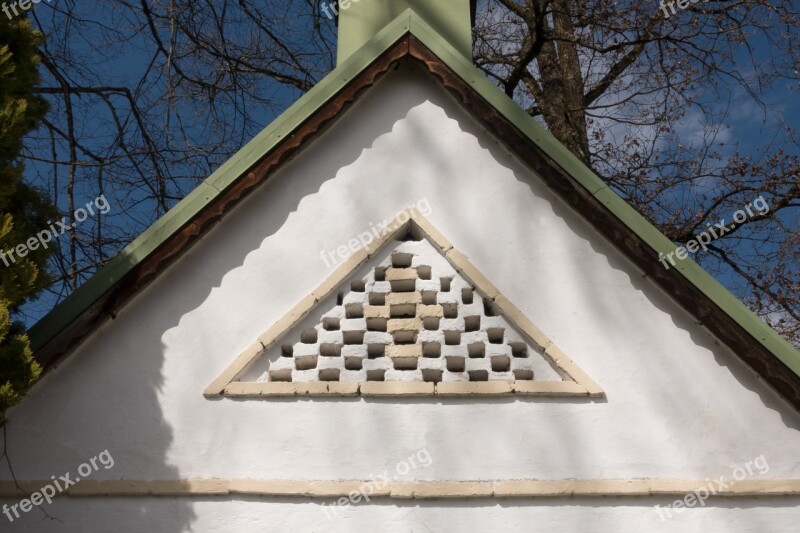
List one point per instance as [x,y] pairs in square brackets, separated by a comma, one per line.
[412,489]
[408,389]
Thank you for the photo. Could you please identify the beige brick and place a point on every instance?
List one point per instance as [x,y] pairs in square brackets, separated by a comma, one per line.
[182,487]
[379,488]
[209,486]
[677,487]
[404,324]
[402,490]
[465,267]
[531,488]
[343,388]
[313,388]
[468,388]
[404,350]
[549,388]
[752,487]
[745,487]
[376,311]
[452,489]
[602,487]
[396,388]
[238,388]
[122,487]
[33,486]
[115,487]
[331,489]
[8,489]
[431,232]
[270,488]
[287,321]
[279,388]
[512,313]
[401,274]
[247,357]
[760,487]
[399,298]
[275,388]
[344,271]
[430,311]
[567,365]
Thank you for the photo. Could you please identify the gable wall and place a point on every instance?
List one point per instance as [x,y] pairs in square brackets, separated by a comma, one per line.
[678,405]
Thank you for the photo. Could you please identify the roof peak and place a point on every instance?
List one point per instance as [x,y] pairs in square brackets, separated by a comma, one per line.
[360,21]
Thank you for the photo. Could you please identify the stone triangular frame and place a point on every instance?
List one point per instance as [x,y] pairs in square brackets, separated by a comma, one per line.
[576,382]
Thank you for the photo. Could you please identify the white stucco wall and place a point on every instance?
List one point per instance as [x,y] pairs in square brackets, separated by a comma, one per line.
[678,404]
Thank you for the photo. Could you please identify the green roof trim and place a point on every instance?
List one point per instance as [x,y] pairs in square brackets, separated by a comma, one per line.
[408,22]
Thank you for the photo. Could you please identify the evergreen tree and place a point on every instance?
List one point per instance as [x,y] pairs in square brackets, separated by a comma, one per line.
[23,210]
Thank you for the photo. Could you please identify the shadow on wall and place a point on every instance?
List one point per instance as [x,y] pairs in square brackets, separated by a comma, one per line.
[105,396]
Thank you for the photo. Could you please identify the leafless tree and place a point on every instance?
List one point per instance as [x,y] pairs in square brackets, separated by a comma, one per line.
[645,95]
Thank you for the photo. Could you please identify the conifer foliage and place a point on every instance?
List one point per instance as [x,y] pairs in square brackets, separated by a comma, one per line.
[23,210]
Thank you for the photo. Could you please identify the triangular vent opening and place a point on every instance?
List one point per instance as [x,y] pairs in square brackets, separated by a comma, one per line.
[407,316]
